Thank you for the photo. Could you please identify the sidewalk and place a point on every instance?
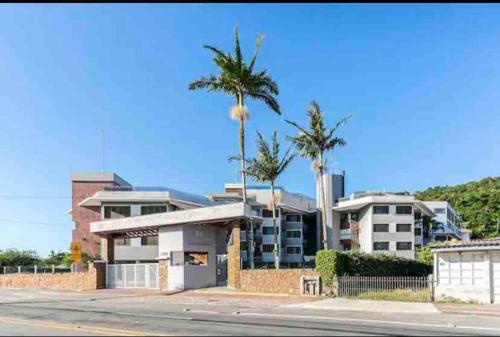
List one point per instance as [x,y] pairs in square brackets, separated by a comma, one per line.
[469,309]
[341,304]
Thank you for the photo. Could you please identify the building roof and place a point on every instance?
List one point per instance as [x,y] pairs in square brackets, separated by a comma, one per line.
[481,244]
[104,177]
[358,201]
[203,215]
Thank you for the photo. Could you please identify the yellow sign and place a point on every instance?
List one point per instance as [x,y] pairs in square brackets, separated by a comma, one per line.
[76,252]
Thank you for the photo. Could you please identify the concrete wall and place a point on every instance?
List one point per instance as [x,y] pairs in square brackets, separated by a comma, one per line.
[200,239]
[281,281]
[135,253]
[67,281]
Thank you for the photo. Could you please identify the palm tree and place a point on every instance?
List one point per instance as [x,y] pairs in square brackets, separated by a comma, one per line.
[238,79]
[267,166]
[313,144]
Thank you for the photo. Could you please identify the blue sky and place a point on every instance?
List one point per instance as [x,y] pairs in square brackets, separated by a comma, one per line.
[421,80]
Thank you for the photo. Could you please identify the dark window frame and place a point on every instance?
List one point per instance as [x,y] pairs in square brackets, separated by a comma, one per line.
[379,207]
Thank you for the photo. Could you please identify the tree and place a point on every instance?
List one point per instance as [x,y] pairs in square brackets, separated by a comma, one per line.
[238,79]
[59,258]
[15,257]
[266,167]
[313,144]
[425,255]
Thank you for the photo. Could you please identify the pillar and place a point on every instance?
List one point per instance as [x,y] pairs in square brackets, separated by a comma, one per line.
[163,277]
[233,257]
[108,249]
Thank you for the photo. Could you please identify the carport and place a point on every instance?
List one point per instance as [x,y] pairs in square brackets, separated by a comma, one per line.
[468,270]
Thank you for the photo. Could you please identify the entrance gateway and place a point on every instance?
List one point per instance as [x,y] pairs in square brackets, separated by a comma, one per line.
[133,276]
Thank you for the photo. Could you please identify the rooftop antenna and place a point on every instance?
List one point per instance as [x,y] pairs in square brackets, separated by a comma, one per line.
[103,152]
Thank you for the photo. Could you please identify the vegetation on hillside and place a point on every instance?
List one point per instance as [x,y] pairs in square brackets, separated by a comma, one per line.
[478,202]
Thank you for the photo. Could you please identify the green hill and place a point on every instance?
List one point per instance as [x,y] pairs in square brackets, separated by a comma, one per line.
[477,201]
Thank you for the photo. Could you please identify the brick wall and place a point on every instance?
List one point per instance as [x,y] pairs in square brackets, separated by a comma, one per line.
[281,281]
[67,281]
[82,216]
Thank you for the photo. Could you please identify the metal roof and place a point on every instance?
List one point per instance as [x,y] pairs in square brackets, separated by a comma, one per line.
[492,242]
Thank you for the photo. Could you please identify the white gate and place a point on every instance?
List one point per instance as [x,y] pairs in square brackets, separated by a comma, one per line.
[139,275]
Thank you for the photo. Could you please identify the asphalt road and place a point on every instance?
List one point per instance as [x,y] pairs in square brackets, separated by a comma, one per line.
[30,312]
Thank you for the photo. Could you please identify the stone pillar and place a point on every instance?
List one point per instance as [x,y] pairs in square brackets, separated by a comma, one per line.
[163,277]
[233,257]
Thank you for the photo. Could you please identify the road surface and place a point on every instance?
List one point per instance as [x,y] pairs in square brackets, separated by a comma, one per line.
[37,312]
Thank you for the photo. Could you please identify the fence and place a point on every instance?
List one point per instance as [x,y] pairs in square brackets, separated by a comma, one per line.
[409,289]
[34,269]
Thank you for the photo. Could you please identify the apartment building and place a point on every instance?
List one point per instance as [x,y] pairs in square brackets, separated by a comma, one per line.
[447,224]
[380,222]
[296,226]
[106,196]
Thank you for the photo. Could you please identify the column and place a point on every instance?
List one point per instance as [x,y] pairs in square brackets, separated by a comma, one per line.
[233,257]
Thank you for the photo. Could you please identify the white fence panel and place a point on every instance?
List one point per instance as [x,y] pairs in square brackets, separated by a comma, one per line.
[133,276]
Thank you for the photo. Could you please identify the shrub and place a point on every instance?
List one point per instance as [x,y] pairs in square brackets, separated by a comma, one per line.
[331,264]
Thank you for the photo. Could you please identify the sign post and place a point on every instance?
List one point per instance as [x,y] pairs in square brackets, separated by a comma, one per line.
[76,253]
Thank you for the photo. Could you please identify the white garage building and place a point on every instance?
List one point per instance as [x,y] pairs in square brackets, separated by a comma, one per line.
[468,270]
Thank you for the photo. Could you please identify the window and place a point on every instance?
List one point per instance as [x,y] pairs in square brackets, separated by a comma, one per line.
[145,210]
[293,234]
[403,245]
[403,227]
[266,230]
[381,246]
[418,215]
[189,259]
[116,212]
[294,250]
[123,241]
[404,210]
[380,227]
[149,241]
[243,245]
[266,213]
[354,217]
[439,210]
[418,231]
[293,218]
[380,209]
[267,248]
[344,221]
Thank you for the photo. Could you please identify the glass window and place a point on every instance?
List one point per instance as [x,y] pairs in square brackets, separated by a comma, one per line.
[439,210]
[403,245]
[145,210]
[116,212]
[380,209]
[403,227]
[267,230]
[293,218]
[381,227]
[267,248]
[293,234]
[149,240]
[122,241]
[418,215]
[381,246]
[418,231]
[266,213]
[354,217]
[344,221]
[243,245]
[294,250]
[404,210]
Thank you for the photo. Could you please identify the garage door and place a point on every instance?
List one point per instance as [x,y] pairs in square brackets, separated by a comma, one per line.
[495,264]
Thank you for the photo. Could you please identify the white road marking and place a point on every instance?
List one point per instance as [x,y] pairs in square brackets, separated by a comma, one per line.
[369,321]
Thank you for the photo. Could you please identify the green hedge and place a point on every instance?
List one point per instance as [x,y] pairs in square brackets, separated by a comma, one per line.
[331,263]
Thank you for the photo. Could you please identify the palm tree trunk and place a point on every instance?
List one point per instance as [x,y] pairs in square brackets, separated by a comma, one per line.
[242,149]
[275,235]
[250,254]
[323,202]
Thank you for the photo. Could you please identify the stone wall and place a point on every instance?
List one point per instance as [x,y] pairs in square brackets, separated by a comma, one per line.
[233,259]
[281,281]
[62,281]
